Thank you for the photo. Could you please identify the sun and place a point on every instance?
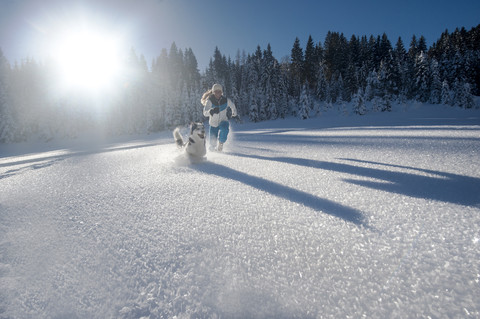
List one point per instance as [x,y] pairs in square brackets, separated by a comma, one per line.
[88,59]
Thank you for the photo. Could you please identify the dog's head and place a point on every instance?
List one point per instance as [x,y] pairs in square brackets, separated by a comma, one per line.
[197,128]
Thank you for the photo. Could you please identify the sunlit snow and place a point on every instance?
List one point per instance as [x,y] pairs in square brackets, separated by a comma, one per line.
[339,217]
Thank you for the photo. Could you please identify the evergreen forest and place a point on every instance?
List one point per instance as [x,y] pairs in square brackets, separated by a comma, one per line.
[356,76]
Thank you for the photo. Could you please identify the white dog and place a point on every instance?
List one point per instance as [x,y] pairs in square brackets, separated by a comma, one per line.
[195,146]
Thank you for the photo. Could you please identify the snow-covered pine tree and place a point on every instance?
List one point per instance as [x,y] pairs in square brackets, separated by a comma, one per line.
[411,56]
[472,67]
[372,86]
[358,101]
[342,106]
[422,44]
[175,65]
[400,60]
[304,103]
[272,111]
[234,97]
[413,48]
[192,75]
[210,78]
[387,84]
[465,97]
[422,76]
[321,88]
[386,102]
[259,69]
[220,68]
[445,66]
[282,95]
[457,91]
[353,77]
[229,78]
[253,110]
[336,87]
[243,106]
[457,71]
[350,83]
[335,55]
[446,94]
[383,91]
[296,69]
[436,83]
[310,63]
[377,103]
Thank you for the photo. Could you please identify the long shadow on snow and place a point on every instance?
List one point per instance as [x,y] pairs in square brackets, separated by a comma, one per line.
[36,166]
[351,140]
[45,161]
[77,153]
[320,204]
[372,124]
[445,187]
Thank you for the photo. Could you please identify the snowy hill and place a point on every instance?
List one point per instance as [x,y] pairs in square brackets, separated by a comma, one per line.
[375,216]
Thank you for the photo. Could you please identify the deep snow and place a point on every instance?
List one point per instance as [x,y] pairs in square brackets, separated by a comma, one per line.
[375,216]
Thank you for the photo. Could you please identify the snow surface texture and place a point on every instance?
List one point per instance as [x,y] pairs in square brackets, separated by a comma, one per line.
[375,216]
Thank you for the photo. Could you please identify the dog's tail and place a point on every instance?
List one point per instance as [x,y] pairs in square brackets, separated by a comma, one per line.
[178,138]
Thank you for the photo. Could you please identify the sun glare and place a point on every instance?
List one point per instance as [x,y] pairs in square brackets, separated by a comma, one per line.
[87,59]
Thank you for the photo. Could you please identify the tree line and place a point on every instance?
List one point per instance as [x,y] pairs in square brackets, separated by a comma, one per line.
[367,73]
[356,75]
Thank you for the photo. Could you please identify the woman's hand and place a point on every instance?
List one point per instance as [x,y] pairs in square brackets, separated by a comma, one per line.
[214,110]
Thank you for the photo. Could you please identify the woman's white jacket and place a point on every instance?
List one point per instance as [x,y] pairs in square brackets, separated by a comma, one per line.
[223,104]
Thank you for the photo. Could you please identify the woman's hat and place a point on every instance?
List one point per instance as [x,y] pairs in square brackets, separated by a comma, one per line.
[217,87]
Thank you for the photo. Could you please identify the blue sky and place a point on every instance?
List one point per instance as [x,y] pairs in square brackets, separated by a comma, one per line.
[150,25]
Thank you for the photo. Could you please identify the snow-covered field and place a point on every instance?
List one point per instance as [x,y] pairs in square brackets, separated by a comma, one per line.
[334,217]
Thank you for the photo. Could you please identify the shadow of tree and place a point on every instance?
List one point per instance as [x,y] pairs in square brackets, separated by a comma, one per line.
[35,166]
[445,187]
[320,204]
[40,161]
